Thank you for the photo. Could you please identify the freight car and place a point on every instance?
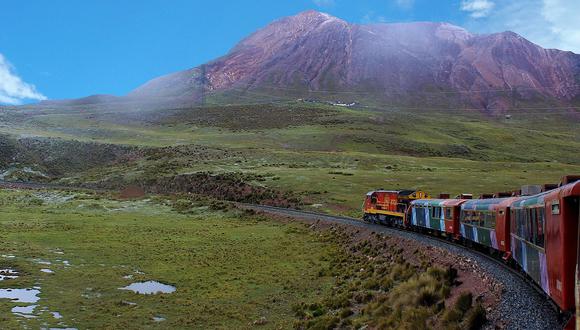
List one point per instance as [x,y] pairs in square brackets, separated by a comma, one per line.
[388,207]
[537,234]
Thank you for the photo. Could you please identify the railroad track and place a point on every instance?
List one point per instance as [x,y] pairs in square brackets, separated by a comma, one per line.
[359,223]
[539,312]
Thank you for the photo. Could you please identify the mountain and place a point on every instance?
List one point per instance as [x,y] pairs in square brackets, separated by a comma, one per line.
[317,56]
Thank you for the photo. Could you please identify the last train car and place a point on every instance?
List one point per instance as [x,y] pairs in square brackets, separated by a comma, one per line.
[389,206]
[544,240]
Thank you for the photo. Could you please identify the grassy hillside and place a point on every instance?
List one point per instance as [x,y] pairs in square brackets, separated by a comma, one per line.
[329,156]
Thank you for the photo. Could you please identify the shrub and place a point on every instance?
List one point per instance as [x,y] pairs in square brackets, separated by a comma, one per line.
[346,312]
[323,323]
[475,318]
[452,316]
[338,301]
[463,303]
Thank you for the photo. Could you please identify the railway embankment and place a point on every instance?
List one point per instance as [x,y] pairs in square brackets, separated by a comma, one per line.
[509,300]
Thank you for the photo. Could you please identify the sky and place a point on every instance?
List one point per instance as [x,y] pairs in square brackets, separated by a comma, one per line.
[62,49]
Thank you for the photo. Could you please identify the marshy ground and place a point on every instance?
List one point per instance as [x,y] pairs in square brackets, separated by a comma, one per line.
[228,269]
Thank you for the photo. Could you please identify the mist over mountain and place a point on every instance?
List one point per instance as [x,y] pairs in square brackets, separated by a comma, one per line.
[319,57]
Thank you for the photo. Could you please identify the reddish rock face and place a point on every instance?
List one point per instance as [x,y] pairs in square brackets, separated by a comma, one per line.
[319,56]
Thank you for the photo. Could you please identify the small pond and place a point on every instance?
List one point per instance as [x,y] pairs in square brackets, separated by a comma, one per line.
[149,287]
[20,295]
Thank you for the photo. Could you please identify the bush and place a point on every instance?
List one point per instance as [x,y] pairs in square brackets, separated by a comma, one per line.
[346,312]
[475,318]
[452,316]
[323,323]
[463,303]
[338,301]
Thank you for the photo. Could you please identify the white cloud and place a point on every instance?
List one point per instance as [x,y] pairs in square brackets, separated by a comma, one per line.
[12,89]
[548,23]
[563,22]
[477,8]
[324,3]
[405,4]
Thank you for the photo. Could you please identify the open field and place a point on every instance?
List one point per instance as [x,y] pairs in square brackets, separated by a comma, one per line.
[328,156]
[71,254]
[228,269]
[236,270]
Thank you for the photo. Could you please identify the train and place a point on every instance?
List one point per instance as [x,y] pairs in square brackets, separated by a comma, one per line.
[538,234]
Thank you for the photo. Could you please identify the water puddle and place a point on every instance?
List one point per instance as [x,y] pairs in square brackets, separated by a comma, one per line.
[20,295]
[158,319]
[24,311]
[8,274]
[46,270]
[56,315]
[149,287]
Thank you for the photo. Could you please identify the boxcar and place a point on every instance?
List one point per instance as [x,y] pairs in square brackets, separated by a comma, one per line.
[544,240]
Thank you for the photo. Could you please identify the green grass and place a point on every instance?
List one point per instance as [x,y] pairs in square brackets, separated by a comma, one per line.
[229,269]
[299,151]
[380,286]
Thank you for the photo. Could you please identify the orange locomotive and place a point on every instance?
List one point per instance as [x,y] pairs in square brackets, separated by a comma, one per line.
[389,206]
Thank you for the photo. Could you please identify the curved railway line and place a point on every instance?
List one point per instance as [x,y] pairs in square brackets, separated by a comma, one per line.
[522,306]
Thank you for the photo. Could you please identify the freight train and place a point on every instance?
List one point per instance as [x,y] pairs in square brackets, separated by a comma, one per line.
[537,234]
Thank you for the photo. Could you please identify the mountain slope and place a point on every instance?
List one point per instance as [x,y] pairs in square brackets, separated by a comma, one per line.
[316,56]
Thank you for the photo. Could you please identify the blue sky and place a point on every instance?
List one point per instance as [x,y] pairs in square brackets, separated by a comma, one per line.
[66,48]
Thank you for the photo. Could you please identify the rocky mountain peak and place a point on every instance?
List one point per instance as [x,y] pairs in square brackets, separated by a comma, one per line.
[403,63]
